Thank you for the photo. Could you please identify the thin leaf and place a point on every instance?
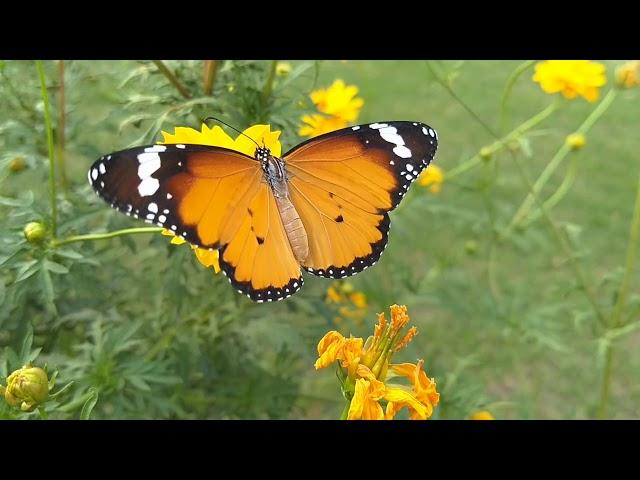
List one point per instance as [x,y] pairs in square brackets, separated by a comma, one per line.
[88,406]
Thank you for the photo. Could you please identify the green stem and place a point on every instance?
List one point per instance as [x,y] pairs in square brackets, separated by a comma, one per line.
[632,248]
[268,85]
[52,166]
[104,236]
[557,159]
[520,69]
[171,77]
[61,125]
[559,194]
[345,411]
[564,244]
[501,142]
[210,73]
[606,383]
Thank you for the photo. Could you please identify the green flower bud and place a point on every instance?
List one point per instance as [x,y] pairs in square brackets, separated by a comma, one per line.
[34,232]
[17,165]
[485,153]
[26,388]
[471,247]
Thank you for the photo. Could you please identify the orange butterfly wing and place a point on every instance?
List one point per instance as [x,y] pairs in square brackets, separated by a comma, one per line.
[214,198]
[344,183]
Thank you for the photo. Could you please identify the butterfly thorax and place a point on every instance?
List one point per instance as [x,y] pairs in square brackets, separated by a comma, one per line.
[275,174]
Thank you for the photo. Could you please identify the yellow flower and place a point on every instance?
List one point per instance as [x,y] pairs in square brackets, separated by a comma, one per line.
[628,74]
[208,258]
[366,369]
[339,100]
[351,304]
[364,404]
[432,177]
[329,349]
[576,141]
[283,69]
[482,415]
[424,388]
[217,137]
[571,77]
[26,388]
[316,124]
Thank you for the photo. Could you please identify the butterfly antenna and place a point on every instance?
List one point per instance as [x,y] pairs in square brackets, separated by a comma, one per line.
[234,128]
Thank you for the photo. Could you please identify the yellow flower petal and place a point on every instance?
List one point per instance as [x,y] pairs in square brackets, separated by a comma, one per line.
[217,137]
[350,352]
[571,78]
[339,100]
[433,177]
[328,349]
[208,258]
[316,124]
[482,415]
[401,398]
[363,405]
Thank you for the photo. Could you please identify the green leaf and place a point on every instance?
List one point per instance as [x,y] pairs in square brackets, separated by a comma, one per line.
[27,270]
[55,267]
[48,292]
[27,342]
[61,391]
[70,254]
[88,406]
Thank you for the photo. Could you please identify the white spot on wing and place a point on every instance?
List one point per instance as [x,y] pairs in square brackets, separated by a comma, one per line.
[148,187]
[390,134]
[94,174]
[357,127]
[153,207]
[378,125]
[155,149]
[409,167]
[162,218]
[102,168]
[179,145]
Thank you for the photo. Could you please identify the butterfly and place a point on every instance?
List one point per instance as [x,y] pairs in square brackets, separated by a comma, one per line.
[323,206]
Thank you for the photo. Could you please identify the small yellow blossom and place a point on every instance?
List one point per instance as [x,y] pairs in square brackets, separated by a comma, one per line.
[316,124]
[482,415]
[339,100]
[486,153]
[283,69]
[26,388]
[17,165]
[576,141]
[366,370]
[208,258]
[571,78]
[628,74]
[432,177]
[351,304]
[217,137]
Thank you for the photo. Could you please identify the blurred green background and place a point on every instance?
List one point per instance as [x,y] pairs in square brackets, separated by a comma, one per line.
[143,331]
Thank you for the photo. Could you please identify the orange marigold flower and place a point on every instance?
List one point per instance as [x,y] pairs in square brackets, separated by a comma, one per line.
[364,383]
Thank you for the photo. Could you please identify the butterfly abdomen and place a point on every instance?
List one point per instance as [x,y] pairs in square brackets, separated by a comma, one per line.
[294,228]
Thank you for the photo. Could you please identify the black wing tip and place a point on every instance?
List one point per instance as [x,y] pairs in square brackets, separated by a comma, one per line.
[269,294]
[359,264]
